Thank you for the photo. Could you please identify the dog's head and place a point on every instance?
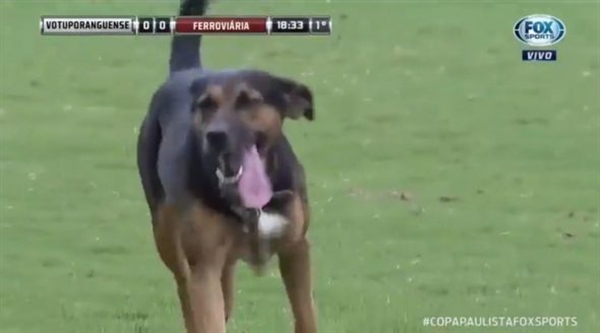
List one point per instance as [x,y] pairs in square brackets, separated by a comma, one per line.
[238,117]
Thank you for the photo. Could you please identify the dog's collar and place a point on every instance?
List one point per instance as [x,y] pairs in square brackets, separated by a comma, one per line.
[248,216]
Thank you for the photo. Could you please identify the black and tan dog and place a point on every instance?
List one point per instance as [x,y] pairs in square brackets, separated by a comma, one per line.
[223,183]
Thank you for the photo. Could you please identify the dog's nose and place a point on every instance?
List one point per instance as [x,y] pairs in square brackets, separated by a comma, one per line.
[217,140]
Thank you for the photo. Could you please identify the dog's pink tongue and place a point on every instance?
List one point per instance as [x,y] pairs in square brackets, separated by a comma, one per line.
[254,185]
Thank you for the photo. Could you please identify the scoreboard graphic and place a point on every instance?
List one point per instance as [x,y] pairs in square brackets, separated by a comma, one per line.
[185,25]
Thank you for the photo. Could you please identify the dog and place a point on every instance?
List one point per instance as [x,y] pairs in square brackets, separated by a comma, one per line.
[222,182]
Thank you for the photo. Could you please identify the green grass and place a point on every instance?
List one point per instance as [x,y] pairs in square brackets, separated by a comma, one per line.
[427,98]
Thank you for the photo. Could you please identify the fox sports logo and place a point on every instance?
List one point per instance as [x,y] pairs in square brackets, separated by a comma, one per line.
[540,30]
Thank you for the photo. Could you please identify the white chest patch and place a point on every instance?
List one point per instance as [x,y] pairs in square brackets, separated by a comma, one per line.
[271,225]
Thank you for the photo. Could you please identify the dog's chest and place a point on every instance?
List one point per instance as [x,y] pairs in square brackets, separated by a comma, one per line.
[271,225]
[261,234]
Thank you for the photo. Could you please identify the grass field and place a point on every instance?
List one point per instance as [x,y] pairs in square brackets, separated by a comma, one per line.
[499,159]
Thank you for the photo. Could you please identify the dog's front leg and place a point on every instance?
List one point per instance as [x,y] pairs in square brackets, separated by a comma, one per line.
[294,264]
[203,292]
[167,235]
[186,306]
[206,242]
[227,284]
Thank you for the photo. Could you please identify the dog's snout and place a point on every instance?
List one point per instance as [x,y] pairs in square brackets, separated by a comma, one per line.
[217,139]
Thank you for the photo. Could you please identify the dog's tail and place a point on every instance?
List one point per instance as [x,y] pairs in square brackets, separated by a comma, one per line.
[185,49]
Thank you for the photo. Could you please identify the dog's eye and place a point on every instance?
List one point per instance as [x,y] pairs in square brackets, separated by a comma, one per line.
[205,107]
[246,100]
[205,103]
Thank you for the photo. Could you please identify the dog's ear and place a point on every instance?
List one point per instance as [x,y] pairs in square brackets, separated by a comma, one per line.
[297,99]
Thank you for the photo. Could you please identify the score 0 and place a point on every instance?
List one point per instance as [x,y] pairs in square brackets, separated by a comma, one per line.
[154,25]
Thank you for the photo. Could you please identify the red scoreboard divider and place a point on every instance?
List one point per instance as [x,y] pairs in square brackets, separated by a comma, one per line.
[131,25]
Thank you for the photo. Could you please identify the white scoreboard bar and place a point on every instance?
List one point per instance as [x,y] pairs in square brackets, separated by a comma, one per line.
[90,25]
[167,25]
